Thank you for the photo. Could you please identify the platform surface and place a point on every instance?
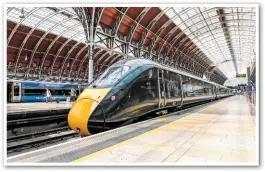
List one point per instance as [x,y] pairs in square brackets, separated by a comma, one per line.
[25,107]
[221,133]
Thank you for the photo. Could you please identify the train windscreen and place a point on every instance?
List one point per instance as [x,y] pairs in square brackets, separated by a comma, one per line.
[111,76]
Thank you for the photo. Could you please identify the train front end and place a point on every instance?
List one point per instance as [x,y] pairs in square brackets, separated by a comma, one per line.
[84,107]
[102,106]
[95,101]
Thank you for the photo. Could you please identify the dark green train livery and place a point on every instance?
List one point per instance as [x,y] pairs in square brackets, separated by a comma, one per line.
[134,88]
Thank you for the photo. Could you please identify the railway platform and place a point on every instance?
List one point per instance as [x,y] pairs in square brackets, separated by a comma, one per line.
[221,132]
[40,106]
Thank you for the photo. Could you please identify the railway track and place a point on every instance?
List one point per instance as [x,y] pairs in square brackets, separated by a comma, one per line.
[36,134]
[34,140]
[11,124]
[29,130]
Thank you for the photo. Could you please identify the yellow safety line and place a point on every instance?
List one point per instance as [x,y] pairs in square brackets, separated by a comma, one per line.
[162,119]
[136,137]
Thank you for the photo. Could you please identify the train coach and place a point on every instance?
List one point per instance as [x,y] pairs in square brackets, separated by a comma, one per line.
[133,88]
[35,91]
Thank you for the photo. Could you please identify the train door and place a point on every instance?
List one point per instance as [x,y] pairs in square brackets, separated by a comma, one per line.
[16,90]
[180,86]
[214,91]
[161,83]
[9,92]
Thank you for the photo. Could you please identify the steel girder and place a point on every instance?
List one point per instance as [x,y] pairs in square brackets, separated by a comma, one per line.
[67,56]
[102,57]
[115,58]
[18,24]
[158,32]
[215,39]
[134,26]
[36,47]
[51,45]
[207,12]
[86,20]
[116,27]
[165,39]
[166,60]
[75,58]
[148,29]
[185,24]
[199,33]
[61,48]
[88,24]
[9,9]
[118,21]
[38,43]
[107,60]
[82,62]
[205,26]
[97,17]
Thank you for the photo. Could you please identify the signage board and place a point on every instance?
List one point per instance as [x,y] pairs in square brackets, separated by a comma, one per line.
[240,75]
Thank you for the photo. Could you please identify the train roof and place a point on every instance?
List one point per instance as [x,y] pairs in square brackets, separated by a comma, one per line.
[136,62]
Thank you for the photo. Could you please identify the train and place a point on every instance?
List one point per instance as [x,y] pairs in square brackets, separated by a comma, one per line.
[23,91]
[133,88]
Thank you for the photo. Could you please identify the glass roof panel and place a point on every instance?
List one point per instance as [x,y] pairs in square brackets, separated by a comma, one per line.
[53,20]
[217,30]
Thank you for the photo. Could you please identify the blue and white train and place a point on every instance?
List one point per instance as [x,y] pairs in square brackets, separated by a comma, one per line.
[35,91]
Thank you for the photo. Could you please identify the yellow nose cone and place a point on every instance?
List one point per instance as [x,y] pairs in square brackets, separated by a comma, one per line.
[79,115]
[83,108]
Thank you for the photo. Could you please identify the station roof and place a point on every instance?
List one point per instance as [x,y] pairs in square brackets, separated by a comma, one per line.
[50,42]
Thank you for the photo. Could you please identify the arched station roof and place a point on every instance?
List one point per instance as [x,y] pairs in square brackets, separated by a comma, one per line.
[52,43]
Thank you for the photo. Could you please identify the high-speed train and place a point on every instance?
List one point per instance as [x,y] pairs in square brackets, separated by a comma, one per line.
[132,88]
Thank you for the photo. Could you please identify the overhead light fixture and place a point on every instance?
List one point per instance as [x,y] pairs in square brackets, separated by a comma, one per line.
[26,58]
[22,16]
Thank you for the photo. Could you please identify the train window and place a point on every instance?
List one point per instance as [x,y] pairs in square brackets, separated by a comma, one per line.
[187,86]
[198,87]
[222,90]
[207,89]
[61,92]
[111,76]
[160,73]
[214,89]
[33,92]
[131,77]
[174,85]
[167,83]
[210,91]
[144,89]
[16,90]
[42,92]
